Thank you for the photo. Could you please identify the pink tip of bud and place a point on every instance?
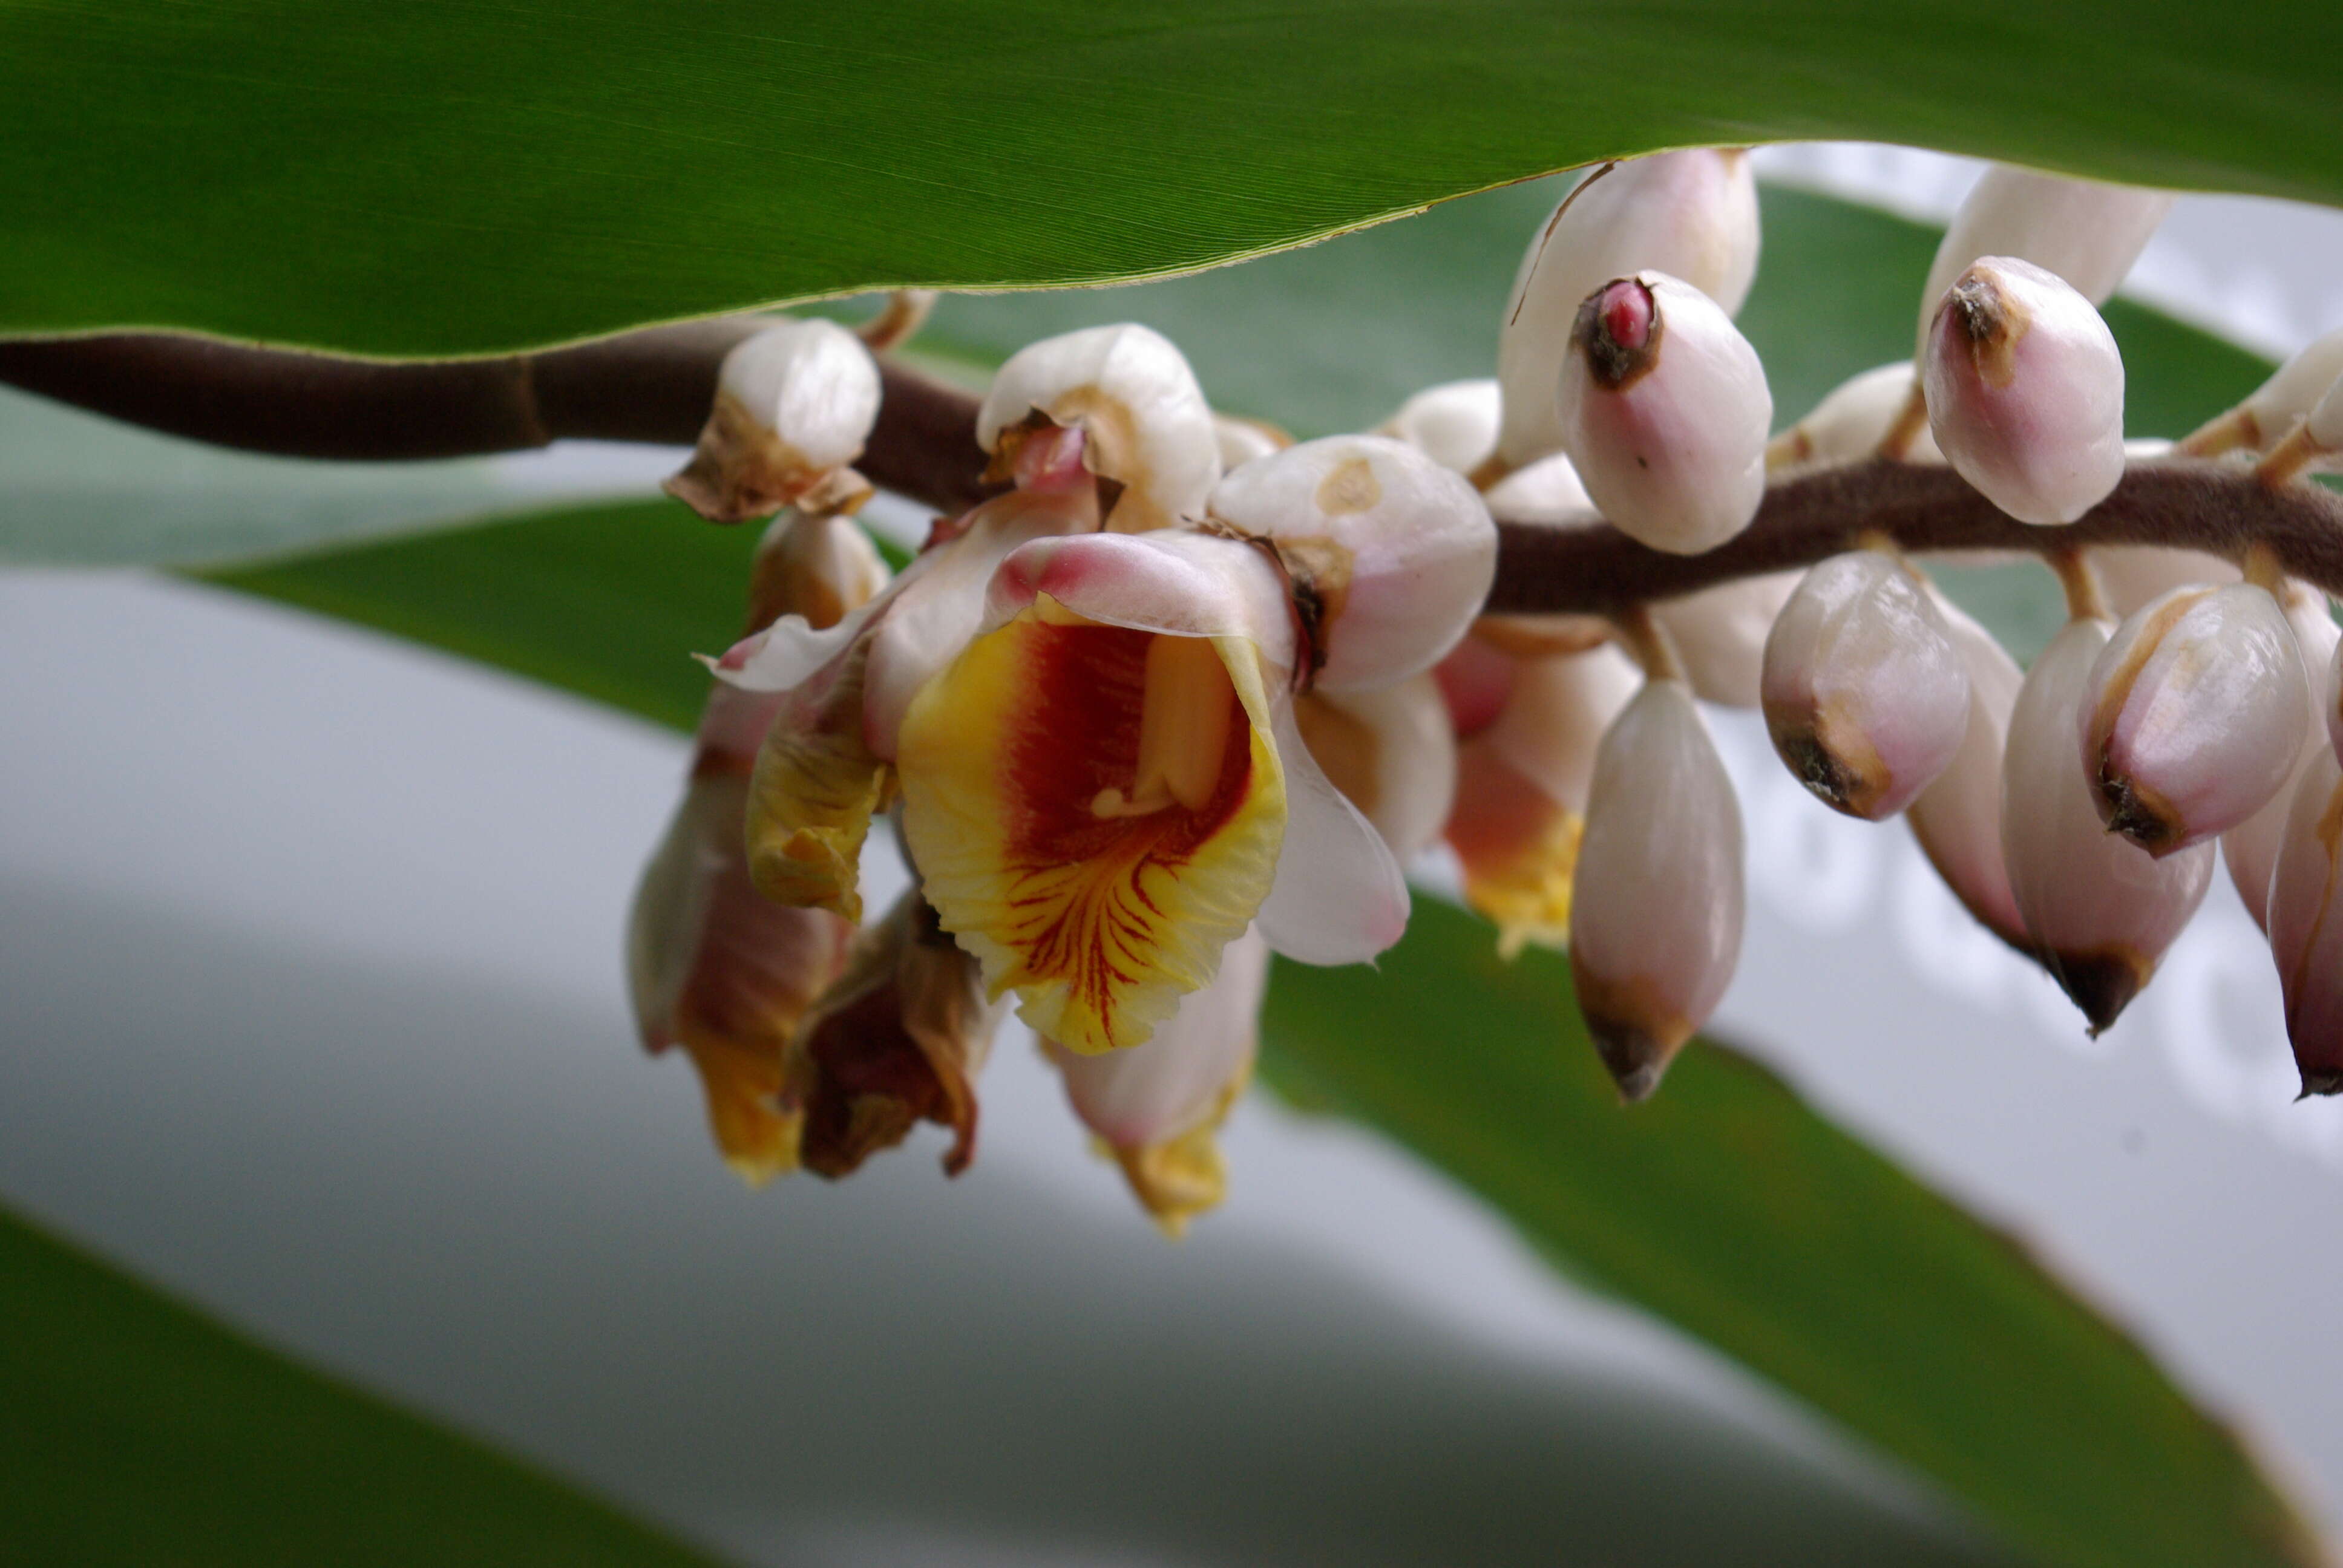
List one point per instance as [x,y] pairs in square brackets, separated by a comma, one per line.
[1626,314]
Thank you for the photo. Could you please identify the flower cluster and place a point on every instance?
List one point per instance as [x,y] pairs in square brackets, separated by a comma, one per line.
[1185,693]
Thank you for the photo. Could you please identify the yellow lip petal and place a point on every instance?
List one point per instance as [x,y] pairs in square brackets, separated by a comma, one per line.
[1519,849]
[1065,829]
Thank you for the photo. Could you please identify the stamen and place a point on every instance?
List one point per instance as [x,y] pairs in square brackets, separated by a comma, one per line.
[1183,730]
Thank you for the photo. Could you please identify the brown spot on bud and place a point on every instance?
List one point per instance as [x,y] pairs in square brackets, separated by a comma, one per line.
[2136,811]
[1993,321]
[1351,486]
[2321,1081]
[1635,1034]
[1831,757]
[1619,329]
[2101,981]
[1318,573]
[740,469]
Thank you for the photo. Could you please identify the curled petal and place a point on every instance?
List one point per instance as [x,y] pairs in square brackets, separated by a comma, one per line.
[1339,895]
[814,790]
[2098,909]
[2085,232]
[1454,424]
[1392,753]
[1664,409]
[1096,811]
[1156,1107]
[1522,790]
[1144,421]
[1691,214]
[897,1041]
[1865,696]
[2026,391]
[1391,555]
[2193,715]
[2250,849]
[1179,583]
[1957,819]
[793,406]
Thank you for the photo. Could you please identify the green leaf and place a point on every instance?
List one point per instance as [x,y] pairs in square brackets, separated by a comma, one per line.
[134,1432]
[439,178]
[1727,1207]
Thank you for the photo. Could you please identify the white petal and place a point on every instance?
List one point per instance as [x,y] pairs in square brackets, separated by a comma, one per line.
[1146,1093]
[2295,387]
[1454,424]
[1392,754]
[2251,849]
[1339,896]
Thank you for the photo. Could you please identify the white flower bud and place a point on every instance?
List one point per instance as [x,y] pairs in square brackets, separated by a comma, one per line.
[1655,917]
[2099,909]
[1849,424]
[1242,440]
[2280,404]
[2133,576]
[1719,635]
[1864,695]
[2251,847]
[1391,752]
[794,404]
[1692,215]
[1454,424]
[1144,421]
[2193,716]
[2087,233]
[2305,936]
[1957,819]
[1392,554]
[2026,391]
[1665,411]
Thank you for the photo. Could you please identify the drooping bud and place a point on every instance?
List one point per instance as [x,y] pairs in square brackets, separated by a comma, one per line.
[2087,233]
[793,405]
[1957,819]
[2193,716]
[1145,425]
[2099,911]
[2251,847]
[1392,753]
[1656,920]
[2264,419]
[1156,1107]
[1692,215]
[2306,933]
[2026,391]
[897,1041]
[1864,695]
[1849,424]
[1522,790]
[1454,424]
[1390,554]
[1664,409]
[1242,440]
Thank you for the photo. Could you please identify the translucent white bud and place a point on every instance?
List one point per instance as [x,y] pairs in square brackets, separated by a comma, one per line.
[793,405]
[1719,635]
[2132,576]
[1957,819]
[2026,391]
[1850,423]
[1391,752]
[2278,404]
[2305,933]
[1864,695]
[1454,424]
[1242,440]
[1391,555]
[1664,410]
[2251,847]
[2193,716]
[1692,215]
[1655,917]
[2099,909]
[1144,421]
[2087,233]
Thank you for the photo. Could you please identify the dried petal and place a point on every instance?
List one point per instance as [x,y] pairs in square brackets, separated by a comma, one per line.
[2098,909]
[1656,922]
[1664,410]
[2193,715]
[2026,391]
[1864,695]
[793,406]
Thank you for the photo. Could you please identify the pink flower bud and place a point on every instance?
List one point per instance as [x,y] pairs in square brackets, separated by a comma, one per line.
[1144,421]
[1848,425]
[2087,233]
[1392,753]
[1665,411]
[2026,391]
[793,406]
[1692,215]
[2306,928]
[1454,424]
[1957,819]
[1864,695]
[1655,918]
[2099,911]
[1391,555]
[2193,716]
[2251,847]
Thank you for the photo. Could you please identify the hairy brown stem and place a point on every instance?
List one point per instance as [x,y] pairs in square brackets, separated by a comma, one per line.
[657,385]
